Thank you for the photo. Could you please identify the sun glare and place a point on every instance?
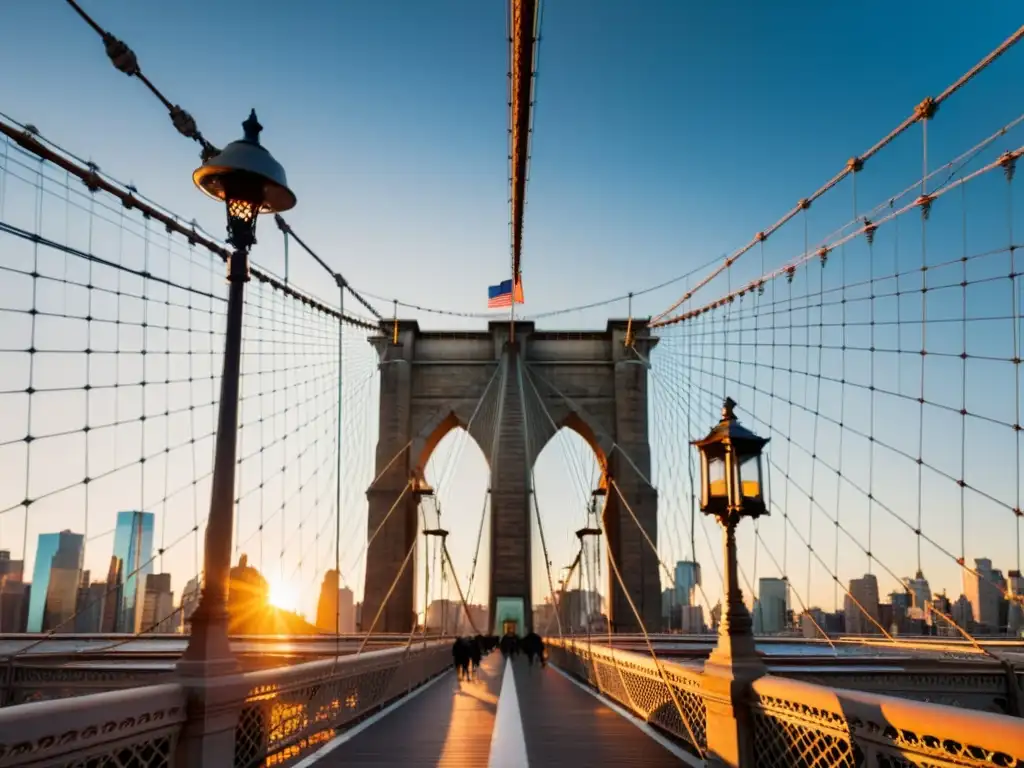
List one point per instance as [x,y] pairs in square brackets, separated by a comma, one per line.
[284,595]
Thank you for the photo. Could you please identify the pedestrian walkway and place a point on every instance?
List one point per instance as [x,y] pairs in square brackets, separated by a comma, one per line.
[449,724]
[539,714]
[567,726]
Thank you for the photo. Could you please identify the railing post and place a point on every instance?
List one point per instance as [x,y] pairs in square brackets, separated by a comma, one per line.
[732,667]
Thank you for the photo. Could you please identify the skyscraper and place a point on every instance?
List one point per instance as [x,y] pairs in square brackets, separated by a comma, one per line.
[347,612]
[158,614]
[12,569]
[45,550]
[92,597]
[770,611]
[984,596]
[1015,610]
[133,547]
[47,604]
[65,576]
[335,610]
[189,602]
[327,607]
[921,593]
[687,581]
[111,598]
[862,597]
[14,594]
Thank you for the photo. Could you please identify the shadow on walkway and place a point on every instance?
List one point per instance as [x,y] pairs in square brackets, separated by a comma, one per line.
[449,725]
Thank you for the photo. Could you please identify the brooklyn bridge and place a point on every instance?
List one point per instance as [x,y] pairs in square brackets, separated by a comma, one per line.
[764,509]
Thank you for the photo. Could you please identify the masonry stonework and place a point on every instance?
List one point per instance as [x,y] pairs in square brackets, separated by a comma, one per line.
[513,395]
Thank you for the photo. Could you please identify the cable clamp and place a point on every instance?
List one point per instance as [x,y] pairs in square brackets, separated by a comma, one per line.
[1009,162]
[120,55]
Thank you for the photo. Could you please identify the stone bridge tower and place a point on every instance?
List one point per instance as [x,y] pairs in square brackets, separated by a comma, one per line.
[589,381]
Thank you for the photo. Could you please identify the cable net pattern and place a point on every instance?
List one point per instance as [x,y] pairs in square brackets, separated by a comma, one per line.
[113,314]
[878,346]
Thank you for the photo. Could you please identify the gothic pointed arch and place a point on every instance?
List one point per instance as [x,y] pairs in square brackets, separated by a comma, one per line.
[432,432]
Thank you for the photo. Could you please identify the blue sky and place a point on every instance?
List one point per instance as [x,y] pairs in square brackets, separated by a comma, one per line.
[665,135]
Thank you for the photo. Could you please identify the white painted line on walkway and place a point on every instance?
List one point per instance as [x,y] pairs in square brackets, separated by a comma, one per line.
[675,749]
[508,742]
[351,733]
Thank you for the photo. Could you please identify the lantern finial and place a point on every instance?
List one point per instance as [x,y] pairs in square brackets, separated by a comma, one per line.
[728,409]
[252,128]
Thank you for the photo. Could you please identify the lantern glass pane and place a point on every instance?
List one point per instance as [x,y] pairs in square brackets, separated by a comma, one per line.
[750,476]
[243,210]
[717,487]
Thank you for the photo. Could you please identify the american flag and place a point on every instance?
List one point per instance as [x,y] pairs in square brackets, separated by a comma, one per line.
[501,295]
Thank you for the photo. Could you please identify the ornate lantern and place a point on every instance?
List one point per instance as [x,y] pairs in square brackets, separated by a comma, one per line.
[730,469]
[249,181]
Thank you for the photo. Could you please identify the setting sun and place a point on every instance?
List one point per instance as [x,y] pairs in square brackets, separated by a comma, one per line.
[284,595]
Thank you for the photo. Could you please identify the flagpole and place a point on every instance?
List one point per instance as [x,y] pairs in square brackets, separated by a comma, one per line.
[512,313]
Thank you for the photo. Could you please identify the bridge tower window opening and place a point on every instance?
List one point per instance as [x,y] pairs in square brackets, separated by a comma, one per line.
[457,471]
[567,471]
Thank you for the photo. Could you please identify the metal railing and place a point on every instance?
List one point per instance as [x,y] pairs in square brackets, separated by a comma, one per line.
[136,727]
[632,680]
[797,723]
[281,714]
[288,710]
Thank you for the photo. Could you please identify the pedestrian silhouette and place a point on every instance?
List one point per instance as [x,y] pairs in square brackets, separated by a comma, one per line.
[533,646]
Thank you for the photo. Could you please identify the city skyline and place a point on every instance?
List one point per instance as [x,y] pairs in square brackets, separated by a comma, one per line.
[47,609]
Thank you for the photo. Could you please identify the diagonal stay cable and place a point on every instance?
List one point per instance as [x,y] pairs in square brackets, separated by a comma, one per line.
[391,590]
[922,112]
[650,647]
[126,61]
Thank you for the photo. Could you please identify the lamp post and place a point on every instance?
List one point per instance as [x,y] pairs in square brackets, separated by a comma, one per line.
[582,534]
[731,489]
[249,181]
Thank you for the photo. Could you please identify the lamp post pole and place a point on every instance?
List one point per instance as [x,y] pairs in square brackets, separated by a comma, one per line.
[581,534]
[208,646]
[735,630]
[248,181]
[734,664]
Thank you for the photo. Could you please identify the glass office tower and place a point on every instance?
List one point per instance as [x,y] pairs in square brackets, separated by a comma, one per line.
[71,547]
[687,581]
[45,550]
[133,547]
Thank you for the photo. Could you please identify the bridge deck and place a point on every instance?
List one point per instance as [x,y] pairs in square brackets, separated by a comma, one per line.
[451,724]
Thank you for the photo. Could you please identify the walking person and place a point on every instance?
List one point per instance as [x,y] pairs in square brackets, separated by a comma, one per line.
[533,646]
[460,657]
[508,645]
[475,654]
